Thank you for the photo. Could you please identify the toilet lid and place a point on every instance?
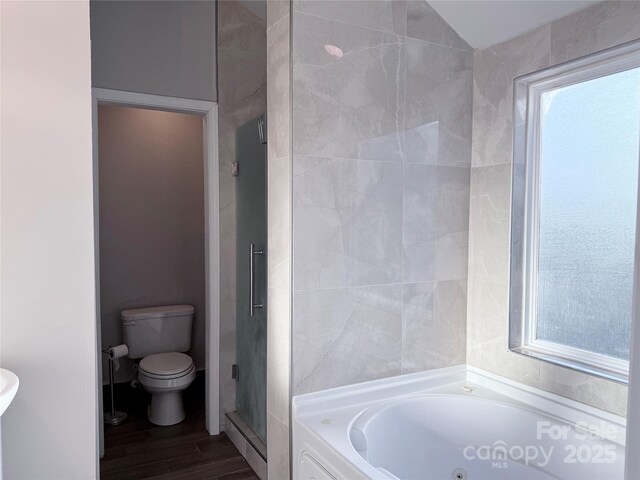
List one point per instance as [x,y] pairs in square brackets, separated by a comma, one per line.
[166,363]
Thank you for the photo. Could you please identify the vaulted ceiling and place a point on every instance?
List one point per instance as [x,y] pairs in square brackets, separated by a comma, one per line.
[483,23]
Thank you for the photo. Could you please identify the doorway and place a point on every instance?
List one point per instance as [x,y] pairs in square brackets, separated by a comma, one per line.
[207,118]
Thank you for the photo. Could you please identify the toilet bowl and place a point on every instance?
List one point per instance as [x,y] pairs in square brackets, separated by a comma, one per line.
[165,376]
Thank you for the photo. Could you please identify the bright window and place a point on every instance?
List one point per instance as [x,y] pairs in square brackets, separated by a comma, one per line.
[575,190]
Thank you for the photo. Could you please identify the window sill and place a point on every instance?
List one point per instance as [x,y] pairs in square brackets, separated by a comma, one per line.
[573,364]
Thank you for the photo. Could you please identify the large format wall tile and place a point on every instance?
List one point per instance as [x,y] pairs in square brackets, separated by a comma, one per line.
[489,224]
[347,222]
[601,26]
[438,96]
[346,336]
[278,466]
[435,223]
[494,69]
[349,107]
[380,191]
[277,10]
[279,244]
[419,222]
[424,23]
[585,388]
[433,325]
[279,104]
[384,15]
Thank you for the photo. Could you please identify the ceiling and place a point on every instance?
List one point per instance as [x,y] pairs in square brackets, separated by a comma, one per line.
[483,23]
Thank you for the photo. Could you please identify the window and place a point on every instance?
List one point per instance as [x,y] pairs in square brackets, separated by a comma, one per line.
[574,202]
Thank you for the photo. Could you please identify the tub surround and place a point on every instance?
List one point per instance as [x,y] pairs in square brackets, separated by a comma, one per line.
[389,181]
[598,27]
[381,162]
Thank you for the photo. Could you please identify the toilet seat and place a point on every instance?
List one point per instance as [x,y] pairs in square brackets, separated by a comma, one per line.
[166,371]
[166,366]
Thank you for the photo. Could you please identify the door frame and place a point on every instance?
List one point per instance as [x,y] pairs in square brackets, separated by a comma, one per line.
[209,113]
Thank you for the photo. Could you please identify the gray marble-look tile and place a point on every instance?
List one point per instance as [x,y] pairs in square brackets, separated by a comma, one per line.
[279,221]
[347,222]
[433,325]
[487,312]
[435,223]
[600,26]
[453,199]
[439,82]
[277,10]
[247,77]
[525,54]
[424,23]
[419,222]
[600,393]
[346,336]
[279,442]
[521,368]
[489,222]
[384,15]
[241,56]
[279,89]
[494,70]
[451,256]
[348,107]
[278,352]
[239,28]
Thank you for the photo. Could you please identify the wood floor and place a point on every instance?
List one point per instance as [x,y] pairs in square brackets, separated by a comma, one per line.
[138,449]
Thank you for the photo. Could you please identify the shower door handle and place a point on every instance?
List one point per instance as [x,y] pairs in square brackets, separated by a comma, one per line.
[252,270]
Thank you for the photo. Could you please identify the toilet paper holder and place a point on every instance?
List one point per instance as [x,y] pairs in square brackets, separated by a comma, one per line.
[114,417]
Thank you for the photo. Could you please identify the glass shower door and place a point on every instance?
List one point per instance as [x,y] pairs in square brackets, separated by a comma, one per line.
[251,245]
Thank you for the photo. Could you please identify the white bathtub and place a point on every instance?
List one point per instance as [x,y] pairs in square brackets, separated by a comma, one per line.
[453,423]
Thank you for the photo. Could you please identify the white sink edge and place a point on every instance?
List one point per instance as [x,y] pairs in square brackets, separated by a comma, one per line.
[9,384]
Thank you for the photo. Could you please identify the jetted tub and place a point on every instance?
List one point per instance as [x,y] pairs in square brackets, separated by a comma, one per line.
[453,423]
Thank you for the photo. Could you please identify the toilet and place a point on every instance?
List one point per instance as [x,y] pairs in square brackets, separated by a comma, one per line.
[159,336]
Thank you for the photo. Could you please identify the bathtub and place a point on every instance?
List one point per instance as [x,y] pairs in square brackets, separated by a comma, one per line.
[453,423]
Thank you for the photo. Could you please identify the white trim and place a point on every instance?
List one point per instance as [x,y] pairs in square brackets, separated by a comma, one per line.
[528,90]
[209,112]
[632,462]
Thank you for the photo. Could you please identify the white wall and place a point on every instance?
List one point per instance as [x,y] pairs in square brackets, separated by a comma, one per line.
[47,334]
[159,47]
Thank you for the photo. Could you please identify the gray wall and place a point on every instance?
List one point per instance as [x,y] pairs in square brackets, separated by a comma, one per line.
[601,26]
[381,163]
[47,282]
[242,57]
[157,47]
[151,204]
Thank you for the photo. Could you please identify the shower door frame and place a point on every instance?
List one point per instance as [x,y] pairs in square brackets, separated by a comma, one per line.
[209,113]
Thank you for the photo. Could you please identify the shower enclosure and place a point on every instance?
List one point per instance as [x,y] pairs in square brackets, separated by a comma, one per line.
[251,271]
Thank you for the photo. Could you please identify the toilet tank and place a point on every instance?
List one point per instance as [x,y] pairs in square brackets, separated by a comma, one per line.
[157,329]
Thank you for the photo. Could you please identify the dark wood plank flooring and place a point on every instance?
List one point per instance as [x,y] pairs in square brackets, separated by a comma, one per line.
[138,449]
